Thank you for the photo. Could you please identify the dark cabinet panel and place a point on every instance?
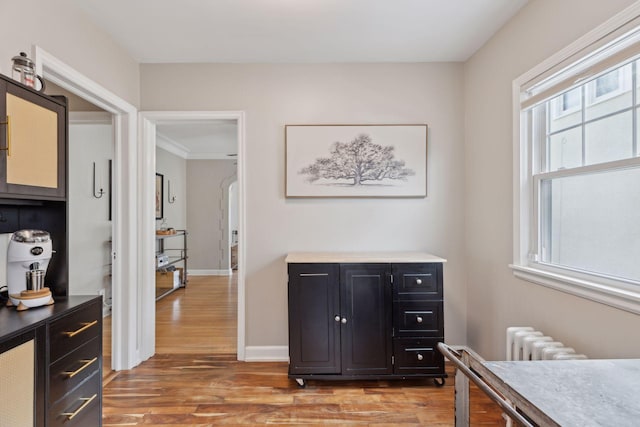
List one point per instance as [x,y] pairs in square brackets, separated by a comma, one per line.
[422,318]
[417,282]
[314,318]
[67,373]
[366,310]
[70,332]
[9,221]
[81,407]
[418,356]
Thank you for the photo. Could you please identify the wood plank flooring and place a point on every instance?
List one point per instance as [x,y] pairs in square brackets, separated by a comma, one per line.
[195,380]
[200,318]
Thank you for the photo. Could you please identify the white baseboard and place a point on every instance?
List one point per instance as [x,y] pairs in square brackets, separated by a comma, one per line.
[228,272]
[267,353]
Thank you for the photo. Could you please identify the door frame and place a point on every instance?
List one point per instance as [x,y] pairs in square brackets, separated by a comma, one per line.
[147,167]
[124,256]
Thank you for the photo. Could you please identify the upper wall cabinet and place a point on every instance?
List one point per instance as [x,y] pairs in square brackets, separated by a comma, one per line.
[33,141]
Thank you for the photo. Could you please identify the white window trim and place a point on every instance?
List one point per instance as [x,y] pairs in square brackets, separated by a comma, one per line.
[609,291]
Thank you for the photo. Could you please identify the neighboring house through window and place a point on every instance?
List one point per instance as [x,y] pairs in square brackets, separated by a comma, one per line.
[578,170]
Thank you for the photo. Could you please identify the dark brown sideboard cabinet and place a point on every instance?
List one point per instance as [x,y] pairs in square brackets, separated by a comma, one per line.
[367,319]
[59,380]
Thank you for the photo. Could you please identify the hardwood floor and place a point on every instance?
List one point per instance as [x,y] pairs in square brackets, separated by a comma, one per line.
[195,380]
[199,319]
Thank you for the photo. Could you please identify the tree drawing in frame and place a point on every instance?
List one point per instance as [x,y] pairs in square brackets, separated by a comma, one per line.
[359,160]
[356,160]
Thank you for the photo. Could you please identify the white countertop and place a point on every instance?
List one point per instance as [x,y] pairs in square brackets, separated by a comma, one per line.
[577,392]
[361,257]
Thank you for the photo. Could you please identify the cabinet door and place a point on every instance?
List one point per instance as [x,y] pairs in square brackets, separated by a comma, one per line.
[366,301]
[314,319]
[33,142]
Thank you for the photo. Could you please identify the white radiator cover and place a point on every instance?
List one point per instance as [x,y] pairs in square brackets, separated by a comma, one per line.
[526,343]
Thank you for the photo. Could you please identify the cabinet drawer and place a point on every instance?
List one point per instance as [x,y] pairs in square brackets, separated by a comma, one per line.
[84,403]
[417,281]
[418,356]
[71,331]
[68,372]
[418,319]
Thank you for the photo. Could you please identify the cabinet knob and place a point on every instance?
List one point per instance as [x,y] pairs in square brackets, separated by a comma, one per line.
[344,320]
[419,319]
[419,281]
[420,357]
[337,318]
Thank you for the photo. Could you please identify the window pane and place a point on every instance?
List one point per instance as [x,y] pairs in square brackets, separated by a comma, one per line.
[590,222]
[565,110]
[565,149]
[607,84]
[609,139]
[609,93]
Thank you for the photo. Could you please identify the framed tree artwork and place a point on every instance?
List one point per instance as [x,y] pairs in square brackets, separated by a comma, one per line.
[356,160]
[159,195]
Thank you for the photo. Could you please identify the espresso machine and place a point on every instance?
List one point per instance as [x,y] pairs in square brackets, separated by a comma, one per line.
[28,257]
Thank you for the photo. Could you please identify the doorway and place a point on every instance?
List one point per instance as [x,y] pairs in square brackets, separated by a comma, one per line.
[124,256]
[150,122]
[90,154]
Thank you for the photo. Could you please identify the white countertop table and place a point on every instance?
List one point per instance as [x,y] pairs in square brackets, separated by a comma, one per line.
[362,257]
[580,393]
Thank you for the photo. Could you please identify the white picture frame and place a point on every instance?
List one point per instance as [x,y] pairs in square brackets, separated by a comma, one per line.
[387,160]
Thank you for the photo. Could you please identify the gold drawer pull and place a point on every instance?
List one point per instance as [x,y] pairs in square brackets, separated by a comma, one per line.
[8,147]
[83,328]
[87,401]
[87,363]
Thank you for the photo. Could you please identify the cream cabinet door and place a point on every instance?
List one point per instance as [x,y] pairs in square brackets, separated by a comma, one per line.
[17,394]
[33,141]
[32,144]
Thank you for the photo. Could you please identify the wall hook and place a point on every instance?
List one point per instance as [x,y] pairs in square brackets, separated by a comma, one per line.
[100,192]
[170,198]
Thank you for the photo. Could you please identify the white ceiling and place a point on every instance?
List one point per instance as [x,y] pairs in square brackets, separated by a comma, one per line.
[206,139]
[277,31]
[290,31]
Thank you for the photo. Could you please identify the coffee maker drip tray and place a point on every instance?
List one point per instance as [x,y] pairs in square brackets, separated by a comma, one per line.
[29,299]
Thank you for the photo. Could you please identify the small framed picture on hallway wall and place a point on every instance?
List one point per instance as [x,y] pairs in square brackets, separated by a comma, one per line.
[159,195]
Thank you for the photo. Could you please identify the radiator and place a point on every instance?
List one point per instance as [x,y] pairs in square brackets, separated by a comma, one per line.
[525,343]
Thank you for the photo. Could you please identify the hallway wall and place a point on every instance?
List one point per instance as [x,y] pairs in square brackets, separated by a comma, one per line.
[208,215]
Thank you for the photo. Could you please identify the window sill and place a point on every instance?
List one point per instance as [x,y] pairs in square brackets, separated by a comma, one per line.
[625,299]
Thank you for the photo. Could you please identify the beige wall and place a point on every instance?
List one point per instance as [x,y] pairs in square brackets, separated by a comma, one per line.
[207,213]
[174,169]
[496,298]
[89,224]
[63,31]
[275,95]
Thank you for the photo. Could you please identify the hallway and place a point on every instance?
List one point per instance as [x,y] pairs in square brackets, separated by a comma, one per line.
[199,319]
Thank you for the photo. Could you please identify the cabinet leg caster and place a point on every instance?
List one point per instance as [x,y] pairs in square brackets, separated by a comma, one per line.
[301,383]
[439,382]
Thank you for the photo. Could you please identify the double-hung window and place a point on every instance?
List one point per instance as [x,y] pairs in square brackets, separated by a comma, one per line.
[577,191]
